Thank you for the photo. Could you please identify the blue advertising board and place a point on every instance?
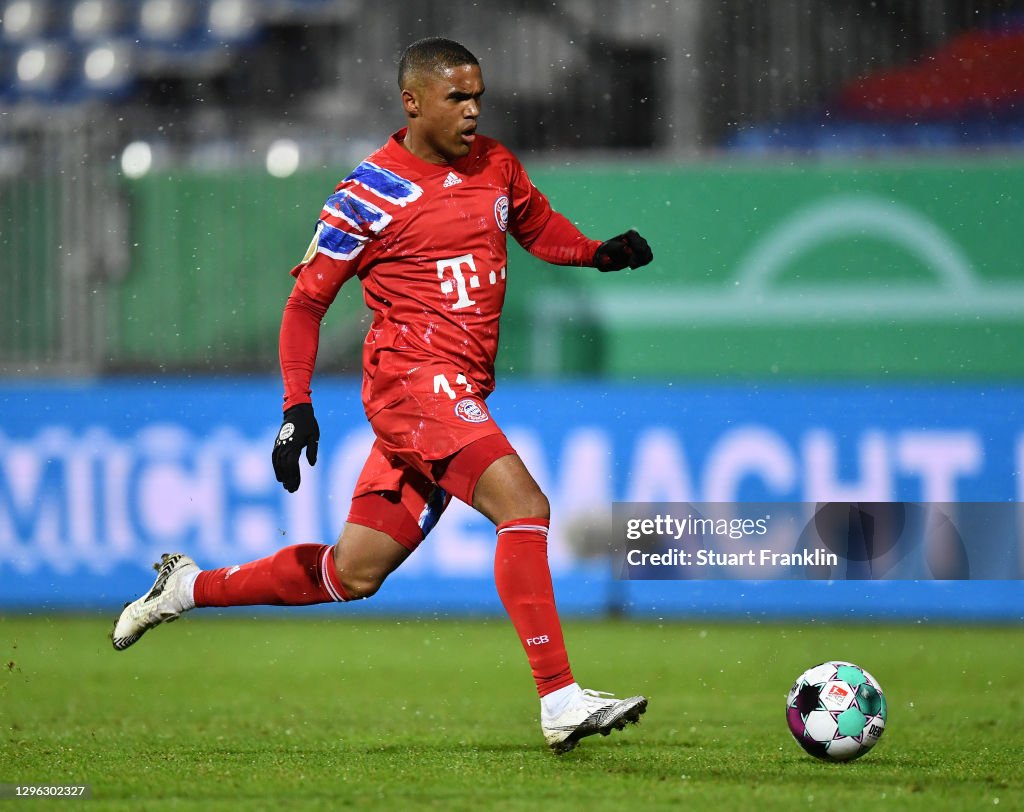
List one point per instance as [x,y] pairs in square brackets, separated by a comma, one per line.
[98,478]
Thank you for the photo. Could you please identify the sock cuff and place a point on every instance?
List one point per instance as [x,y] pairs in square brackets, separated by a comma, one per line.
[534,525]
[188,589]
[329,575]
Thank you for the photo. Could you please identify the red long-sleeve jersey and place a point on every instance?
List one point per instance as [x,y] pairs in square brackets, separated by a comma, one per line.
[428,243]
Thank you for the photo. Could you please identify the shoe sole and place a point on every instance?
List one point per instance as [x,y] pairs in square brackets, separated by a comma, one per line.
[630,716]
[164,568]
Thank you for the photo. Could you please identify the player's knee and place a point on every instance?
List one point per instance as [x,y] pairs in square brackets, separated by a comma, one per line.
[506,492]
[359,584]
[532,504]
[537,506]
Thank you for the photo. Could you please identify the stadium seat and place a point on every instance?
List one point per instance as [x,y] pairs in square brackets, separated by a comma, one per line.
[232,21]
[172,40]
[25,20]
[167,23]
[799,132]
[92,20]
[991,131]
[967,93]
[107,69]
[41,71]
[7,80]
[64,51]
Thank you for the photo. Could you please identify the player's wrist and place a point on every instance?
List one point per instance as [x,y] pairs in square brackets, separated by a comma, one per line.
[299,400]
[299,410]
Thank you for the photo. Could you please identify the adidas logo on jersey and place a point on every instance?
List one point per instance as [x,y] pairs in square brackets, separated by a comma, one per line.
[451,180]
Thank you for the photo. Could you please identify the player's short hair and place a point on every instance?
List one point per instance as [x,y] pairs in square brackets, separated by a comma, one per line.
[432,55]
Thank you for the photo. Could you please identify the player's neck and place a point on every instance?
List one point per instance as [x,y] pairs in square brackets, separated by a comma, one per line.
[421,150]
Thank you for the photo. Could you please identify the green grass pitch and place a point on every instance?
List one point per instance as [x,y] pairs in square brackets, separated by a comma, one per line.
[279,712]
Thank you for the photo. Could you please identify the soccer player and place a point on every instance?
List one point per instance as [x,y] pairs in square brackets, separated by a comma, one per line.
[422,223]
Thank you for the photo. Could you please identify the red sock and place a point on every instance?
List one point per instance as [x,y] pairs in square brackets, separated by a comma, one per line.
[524,584]
[295,576]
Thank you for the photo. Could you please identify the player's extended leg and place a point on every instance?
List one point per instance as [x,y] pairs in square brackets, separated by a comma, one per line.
[509,496]
[380,534]
[353,568]
[298,575]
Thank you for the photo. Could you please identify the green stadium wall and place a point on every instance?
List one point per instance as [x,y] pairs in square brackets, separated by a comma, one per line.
[29,273]
[859,270]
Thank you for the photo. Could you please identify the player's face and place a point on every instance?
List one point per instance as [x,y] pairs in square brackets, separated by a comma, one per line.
[443,110]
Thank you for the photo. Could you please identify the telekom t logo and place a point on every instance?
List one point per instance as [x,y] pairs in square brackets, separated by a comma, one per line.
[458,280]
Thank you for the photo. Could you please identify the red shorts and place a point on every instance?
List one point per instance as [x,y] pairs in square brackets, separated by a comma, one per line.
[429,413]
[433,443]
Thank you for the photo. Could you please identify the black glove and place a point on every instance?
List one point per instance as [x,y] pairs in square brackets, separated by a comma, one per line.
[629,249]
[299,430]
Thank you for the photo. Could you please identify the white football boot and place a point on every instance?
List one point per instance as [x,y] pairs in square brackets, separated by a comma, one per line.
[166,600]
[587,713]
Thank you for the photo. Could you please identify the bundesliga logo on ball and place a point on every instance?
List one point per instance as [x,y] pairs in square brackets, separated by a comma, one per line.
[836,711]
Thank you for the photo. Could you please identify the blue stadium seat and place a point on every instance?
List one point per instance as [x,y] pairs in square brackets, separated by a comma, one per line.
[92,20]
[824,135]
[799,132]
[26,21]
[7,68]
[107,70]
[232,21]
[174,25]
[64,51]
[852,137]
[992,130]
[45,72]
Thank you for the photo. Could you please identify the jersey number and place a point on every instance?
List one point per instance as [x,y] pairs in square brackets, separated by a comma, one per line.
[441,385]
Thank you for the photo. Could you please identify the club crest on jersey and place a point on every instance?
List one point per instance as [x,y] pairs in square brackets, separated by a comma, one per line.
[501,212]
[469,410]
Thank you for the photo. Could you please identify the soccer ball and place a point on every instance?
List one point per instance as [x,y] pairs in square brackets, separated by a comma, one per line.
[836,711]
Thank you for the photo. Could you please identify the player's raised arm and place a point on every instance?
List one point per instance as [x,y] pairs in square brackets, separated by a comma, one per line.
[550,236]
